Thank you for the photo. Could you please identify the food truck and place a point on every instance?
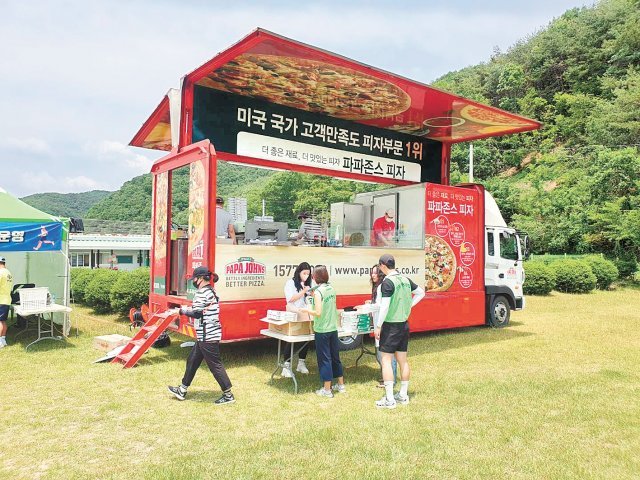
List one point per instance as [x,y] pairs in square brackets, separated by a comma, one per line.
[275,103]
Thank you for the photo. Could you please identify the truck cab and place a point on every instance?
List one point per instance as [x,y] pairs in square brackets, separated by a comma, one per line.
[505,251]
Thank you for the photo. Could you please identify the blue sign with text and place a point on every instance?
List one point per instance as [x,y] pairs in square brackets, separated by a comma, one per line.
[30,237]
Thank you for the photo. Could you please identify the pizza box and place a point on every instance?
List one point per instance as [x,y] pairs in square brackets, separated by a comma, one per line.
[107,343]
[289,328]
[282,315]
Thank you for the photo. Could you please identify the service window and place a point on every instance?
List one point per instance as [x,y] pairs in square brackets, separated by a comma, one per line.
[508,246]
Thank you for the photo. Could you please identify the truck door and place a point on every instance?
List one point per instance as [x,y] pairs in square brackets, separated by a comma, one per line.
[509,261]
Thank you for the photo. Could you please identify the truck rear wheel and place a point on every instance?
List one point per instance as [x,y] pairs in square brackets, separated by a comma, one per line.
[349,343]
[499,312]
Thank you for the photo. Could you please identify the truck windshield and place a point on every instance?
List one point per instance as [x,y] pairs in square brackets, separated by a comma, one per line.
[508,246]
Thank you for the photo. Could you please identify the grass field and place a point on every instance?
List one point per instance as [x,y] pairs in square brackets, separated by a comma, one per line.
[556,396]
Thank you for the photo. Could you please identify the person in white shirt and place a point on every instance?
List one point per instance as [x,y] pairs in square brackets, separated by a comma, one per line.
[296,291]
[375,278]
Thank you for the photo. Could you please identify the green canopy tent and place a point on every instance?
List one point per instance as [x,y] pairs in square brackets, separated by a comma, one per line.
[36,246]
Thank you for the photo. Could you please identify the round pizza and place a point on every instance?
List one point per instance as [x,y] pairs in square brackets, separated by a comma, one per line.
[485,116]
[310,85]
[439,263]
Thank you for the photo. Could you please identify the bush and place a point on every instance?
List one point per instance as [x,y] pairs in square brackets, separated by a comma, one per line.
[626,265]
[539,279]
[99,288]
[80,278]
[573,276]
[130,290]
[605,270]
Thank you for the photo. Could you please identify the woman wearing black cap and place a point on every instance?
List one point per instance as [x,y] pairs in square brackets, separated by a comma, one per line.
[205,311]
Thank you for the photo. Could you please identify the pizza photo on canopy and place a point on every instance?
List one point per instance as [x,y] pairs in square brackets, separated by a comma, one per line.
[485,116]
[309,85]
[440,264]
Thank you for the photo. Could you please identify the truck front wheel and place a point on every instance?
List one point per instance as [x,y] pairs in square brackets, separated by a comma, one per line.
[499,312]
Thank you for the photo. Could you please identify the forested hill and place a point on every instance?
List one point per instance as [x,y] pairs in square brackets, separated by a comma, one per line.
[573,185]
[133,200]
[66,204]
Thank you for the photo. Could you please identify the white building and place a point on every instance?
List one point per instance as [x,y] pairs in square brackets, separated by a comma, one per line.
[119,249]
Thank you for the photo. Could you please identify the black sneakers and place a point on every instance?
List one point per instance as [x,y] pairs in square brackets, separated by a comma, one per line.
[178,393]
[225,399]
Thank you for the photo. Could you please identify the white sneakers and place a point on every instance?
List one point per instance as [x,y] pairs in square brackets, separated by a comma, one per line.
[339,388]
[324,393]
[397,399]
[3,342]
[286,370]
[384,403]
[301,368]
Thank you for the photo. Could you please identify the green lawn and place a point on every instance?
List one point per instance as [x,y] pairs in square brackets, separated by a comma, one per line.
[556,395]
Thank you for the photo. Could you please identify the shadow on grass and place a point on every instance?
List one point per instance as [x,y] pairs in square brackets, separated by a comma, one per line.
[261,354]
[28,334]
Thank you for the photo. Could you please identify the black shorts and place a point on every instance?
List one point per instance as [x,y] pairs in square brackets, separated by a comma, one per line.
[4,313]
[394,337]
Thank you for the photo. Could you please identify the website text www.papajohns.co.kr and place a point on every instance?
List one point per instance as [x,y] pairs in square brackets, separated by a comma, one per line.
[288,269]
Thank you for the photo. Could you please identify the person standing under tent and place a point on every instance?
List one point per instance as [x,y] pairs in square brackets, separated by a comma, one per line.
[325,326]
[375,278]
[205,310]
[6,285]
[399,296]
[296,291]
[224,222]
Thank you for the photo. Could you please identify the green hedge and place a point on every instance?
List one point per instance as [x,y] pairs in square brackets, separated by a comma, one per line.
[130,290]
[626,265]
[80,278]
[539,279]
[605,270]
[97,294]
[573,276]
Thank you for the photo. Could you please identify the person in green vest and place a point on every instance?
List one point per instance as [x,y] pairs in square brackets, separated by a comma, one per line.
[325,326]
[399,296]
[6,284]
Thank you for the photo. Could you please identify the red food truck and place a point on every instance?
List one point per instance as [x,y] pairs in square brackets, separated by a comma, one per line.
[271,102]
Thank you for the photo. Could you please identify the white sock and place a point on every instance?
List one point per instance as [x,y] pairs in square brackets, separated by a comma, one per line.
[404,386]
[182,388]
[388,389]
[3,340]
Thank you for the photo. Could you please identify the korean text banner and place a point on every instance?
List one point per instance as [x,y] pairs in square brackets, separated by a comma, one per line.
[26,237]
[255,128]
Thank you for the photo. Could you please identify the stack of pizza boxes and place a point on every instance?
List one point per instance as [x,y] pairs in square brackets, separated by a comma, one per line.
[289,323]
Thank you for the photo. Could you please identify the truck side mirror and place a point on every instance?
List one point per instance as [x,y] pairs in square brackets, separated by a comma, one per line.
[527,247]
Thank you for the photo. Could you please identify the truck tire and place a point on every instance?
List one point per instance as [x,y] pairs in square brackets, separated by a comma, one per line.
[499,312]
[349,343]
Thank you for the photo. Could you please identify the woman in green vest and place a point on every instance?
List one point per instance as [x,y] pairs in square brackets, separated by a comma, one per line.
[325,326]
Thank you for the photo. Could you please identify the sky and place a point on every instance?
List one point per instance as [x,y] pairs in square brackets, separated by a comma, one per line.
[78,78]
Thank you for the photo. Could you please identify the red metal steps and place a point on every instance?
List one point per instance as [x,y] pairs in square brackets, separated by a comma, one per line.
[145,338]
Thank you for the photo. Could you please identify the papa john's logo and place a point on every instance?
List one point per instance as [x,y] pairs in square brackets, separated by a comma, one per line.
[246,272]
